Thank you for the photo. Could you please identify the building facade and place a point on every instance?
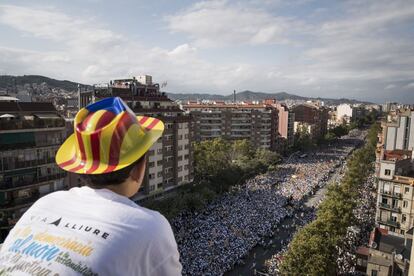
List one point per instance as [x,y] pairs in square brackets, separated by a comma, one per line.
[311,118]
[257,123]
[30,135]
[286,121]
[386,254]
[170,159]
[395,173]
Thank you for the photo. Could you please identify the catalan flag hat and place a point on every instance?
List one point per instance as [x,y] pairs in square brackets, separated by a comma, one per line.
[107,137]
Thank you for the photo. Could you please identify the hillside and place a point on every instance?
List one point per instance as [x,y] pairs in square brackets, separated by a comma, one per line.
[258,96]
[7,81]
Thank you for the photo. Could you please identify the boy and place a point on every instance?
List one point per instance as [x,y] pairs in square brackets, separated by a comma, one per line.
[96,229]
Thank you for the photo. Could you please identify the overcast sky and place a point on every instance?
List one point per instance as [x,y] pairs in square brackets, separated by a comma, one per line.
[357,49]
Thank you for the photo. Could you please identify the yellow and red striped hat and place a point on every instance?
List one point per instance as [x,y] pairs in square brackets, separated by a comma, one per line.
[108,137]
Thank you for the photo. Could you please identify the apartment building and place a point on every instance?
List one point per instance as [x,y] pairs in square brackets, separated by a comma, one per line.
[170,159]
[398,131]
[286,125]
[395,173]
[311,118]
[386,254]
[30,135]
[256,122]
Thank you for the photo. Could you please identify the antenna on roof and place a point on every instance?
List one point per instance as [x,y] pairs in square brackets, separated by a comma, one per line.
[164,84]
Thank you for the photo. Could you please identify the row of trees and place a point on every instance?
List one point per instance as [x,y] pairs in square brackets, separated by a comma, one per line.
[218,165]
[314,249]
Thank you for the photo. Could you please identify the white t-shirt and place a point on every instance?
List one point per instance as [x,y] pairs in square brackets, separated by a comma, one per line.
[85,231]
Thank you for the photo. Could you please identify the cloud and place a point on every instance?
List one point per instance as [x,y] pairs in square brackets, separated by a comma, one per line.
[361,50]
[220,23]
[410,85]
[390,86]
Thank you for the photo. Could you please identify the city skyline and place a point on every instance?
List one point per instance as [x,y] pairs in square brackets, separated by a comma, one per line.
[353,49]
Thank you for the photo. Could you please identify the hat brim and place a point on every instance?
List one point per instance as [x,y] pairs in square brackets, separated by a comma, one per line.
[68,159]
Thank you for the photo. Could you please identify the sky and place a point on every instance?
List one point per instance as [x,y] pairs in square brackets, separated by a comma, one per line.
[358,49]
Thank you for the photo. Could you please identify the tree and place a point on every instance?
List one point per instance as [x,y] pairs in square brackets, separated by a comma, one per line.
[314,249]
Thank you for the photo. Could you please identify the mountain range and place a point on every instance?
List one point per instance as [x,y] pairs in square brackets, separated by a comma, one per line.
[7,82]
[258,96]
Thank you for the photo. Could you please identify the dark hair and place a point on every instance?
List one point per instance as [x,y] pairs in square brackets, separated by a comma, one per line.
[112,178]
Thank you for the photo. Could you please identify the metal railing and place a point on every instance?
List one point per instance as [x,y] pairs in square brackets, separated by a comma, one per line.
[391,194]
[389,207]
[10,184]
[389,222]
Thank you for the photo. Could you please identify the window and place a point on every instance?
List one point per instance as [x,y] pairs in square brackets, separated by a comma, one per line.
[151,176]
[374,272]
[402,232]
[159,185]
[407,189]
[384,200]
[179,169]
[159,174]
[180,157]
[405,204]
[159,151]
[180,137]
[150,164]
[151,152]
[152,188]
[180,147]
[186,136]
[387,172]
[403,218]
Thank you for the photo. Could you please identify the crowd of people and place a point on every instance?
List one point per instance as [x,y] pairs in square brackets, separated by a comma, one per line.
[358,234]
[213,240]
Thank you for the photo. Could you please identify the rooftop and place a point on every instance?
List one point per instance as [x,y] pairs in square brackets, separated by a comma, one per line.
[396,155]
[382,241]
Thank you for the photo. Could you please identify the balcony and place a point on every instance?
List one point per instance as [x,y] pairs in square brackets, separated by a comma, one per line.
[10,184]
[391,194]
[20,202]
[27,164]
[31,124]
[389,207]
[389,222]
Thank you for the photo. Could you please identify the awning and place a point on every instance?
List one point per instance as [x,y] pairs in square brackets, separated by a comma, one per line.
[47,116]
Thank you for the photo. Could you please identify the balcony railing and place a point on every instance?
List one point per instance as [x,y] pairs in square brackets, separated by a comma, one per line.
[26,124]
[10,184]
[389,207]
[19,202]
[391,194]
[389,222]
[27,164]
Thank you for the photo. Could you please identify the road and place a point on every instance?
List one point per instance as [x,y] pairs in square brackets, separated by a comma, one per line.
[254,262]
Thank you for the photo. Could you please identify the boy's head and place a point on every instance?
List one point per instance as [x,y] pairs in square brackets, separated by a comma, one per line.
[109,145]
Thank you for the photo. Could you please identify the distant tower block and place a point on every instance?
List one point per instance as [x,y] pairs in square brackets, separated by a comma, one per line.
[234,96]
[145,79]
